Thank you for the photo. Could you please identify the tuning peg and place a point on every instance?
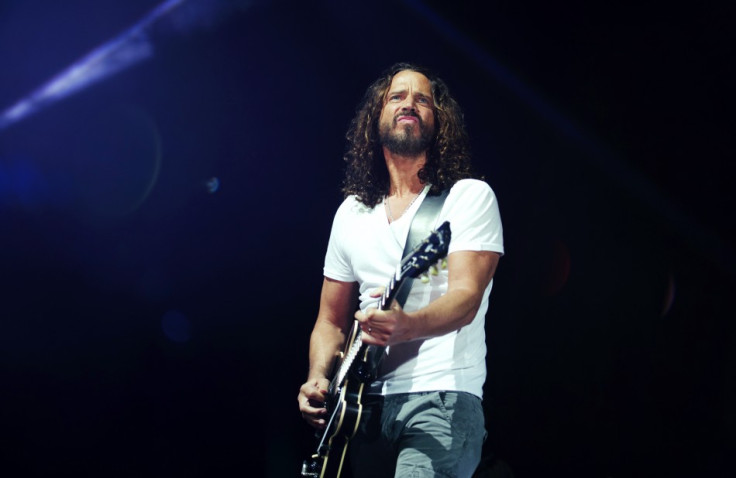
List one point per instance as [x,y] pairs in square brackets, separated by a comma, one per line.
[444,263]
[433,270]
[424,278]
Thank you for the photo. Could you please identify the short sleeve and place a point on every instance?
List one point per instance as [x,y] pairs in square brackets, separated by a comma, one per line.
[337,263]
[472,209]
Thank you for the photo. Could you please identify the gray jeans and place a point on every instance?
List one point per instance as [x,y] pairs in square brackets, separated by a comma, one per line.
[412,435]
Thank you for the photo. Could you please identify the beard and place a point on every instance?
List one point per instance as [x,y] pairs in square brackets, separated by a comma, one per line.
[401,141]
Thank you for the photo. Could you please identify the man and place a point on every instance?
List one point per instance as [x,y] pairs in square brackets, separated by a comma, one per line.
[422,416]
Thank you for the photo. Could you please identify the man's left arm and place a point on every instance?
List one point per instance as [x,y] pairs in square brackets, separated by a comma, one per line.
[469,273]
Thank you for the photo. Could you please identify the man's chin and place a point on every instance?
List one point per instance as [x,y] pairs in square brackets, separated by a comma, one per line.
[405,148]
[405,140]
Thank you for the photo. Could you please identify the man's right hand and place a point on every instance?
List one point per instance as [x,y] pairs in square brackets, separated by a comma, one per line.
[312,396]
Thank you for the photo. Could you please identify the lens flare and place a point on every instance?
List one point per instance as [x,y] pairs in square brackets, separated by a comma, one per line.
[127,49]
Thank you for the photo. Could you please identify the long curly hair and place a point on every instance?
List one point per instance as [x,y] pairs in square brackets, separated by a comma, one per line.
[448,157]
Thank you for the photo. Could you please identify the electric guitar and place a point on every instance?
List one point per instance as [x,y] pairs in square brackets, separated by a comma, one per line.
[357,365]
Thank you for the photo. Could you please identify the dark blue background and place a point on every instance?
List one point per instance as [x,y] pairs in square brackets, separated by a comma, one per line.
[150,326]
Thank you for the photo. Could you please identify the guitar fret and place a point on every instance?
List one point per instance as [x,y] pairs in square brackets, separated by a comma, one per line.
[349,358]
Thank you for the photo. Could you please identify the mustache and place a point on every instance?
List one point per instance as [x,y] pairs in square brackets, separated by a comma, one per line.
[407,113]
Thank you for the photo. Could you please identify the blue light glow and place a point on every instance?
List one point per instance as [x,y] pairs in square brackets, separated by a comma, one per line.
[124,51]
[212,184]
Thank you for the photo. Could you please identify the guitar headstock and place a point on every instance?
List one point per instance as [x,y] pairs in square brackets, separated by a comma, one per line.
[430,251]
[434,270]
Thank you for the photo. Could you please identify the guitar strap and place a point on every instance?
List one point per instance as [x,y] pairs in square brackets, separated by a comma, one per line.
[420,228]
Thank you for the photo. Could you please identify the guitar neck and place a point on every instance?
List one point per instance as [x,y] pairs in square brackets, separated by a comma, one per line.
[392,290]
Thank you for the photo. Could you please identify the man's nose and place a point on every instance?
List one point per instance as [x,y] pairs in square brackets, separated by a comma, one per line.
[408,105]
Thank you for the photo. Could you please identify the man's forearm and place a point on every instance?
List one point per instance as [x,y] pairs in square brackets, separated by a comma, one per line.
[443,315]
[324,346]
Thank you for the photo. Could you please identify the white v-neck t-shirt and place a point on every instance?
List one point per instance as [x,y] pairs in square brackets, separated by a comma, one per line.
[365,248]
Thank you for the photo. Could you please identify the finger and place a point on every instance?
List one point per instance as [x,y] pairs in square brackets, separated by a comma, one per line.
[366,325]
[313,407]
[319,424]
[319,390]
[378,291]
[323,385]
[314,421]
[313,394]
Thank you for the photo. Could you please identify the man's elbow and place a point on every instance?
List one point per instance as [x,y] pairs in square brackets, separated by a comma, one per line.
[472,310]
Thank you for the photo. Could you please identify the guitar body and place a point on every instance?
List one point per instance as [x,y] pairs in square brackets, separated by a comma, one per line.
[351,409]
[358,366]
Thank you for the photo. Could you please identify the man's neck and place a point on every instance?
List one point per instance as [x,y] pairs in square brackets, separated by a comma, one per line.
[403,173]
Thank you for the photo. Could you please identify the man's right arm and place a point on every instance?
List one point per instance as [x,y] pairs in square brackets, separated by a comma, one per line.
[337,304]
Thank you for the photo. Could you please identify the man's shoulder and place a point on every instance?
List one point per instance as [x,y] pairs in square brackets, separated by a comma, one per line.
[352,206]
[472,186]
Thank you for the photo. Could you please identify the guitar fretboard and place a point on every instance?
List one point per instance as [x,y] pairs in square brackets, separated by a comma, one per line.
[349,358]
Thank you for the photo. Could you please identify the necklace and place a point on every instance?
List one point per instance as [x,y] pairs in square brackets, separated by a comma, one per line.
[388,208]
